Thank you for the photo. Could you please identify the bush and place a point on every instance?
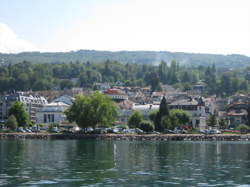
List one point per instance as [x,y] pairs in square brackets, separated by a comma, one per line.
[147,126]
[11,122]
[242,128]
[135,119]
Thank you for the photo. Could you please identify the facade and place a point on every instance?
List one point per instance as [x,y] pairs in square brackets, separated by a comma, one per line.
[31,104]
[197,108]
[51,113]
[236,113]
[116,94]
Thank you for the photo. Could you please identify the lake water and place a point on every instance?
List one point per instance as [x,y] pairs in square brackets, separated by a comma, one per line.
[123,163]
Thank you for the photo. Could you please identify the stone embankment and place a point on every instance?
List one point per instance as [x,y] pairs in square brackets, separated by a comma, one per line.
[144,137]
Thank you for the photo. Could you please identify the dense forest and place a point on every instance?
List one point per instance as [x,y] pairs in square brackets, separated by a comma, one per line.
[32,76]
[139,57]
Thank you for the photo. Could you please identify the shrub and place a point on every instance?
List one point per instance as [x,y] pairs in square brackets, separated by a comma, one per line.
[135,119]
[147,126]
[242,128]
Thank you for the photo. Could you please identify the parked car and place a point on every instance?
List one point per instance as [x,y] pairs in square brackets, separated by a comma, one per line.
[214,131]
[117,130]
[204,131]
[139,131]
[20,129]
[35,129]
[169,131]
[28,130]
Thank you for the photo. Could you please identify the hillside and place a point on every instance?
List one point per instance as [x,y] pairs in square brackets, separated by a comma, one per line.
[141,57]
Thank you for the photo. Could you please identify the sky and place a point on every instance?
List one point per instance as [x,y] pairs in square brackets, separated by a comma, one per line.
[197,26]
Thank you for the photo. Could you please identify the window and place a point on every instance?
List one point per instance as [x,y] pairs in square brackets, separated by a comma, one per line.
[45,118]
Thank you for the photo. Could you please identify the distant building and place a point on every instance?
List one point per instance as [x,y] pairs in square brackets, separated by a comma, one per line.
[64,99]
[199,88]
[116,94]
[126,108]
[31,104]
[101,86]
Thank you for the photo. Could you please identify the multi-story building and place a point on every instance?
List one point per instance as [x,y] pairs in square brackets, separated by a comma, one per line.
[52,113]
[31,104]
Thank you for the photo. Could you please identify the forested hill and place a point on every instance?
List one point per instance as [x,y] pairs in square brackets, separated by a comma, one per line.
[141,57]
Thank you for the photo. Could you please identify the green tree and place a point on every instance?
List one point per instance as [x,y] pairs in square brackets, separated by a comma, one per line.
[182,115]
[66,84]
[135,119]
[185,77]
[222,123]
[163,111]
[17,109]
[248,115]
[226,84]
[162,71]
[92,110]
[212,121]
[242,128]
[146,126]
[152,115]
[11,122]
[170,122]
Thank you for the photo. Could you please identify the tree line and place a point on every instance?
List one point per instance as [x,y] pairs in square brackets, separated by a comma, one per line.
[31,76]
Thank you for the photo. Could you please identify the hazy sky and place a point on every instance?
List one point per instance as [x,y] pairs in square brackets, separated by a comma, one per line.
[200,26]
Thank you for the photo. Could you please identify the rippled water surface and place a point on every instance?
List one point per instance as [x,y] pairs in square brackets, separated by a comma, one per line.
[123,163]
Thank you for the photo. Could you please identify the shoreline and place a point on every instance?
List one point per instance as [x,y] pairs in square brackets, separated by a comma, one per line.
[141,137]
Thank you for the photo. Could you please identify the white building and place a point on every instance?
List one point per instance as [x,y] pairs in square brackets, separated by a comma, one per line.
[31,104]
[51,113]
[64,99]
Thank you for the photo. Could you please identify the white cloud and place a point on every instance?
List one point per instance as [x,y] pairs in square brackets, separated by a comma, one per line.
[209,26]
[10,43]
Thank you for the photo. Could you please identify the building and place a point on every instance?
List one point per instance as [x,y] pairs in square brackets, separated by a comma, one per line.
[116,94]
[51,113]
[236,113]
[31,104]
[64,99]
[197,108]
[127,108]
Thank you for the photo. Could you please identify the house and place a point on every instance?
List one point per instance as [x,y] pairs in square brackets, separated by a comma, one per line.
[51,113]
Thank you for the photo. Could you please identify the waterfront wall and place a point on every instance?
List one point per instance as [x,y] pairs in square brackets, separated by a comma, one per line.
[145,137]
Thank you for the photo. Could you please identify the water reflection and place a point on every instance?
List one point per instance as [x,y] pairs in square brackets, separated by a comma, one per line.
[123,163]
